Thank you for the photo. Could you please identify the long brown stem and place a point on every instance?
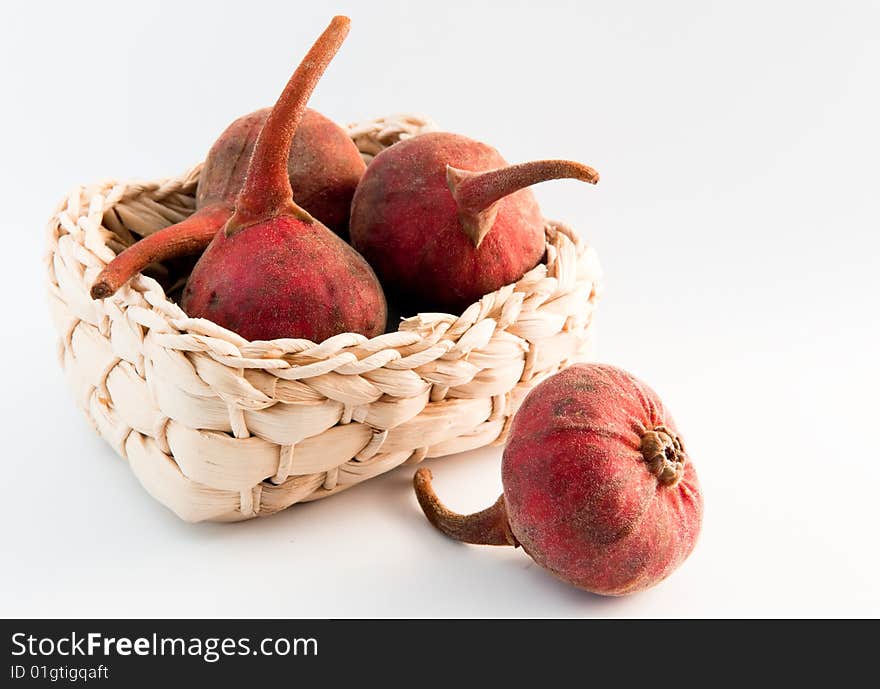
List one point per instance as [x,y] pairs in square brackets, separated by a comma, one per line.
[475,193]
[489,527]
[266,191]
[190,236]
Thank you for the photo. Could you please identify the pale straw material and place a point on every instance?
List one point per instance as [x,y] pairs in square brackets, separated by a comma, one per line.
[222,429]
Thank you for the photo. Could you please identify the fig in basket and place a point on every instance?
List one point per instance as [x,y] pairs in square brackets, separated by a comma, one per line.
[274,271]
[598,487]
[444,220]
[324,167]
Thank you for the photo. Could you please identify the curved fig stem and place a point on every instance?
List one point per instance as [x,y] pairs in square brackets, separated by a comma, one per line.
[475,193]
[489,527]
[266,191]
[190,236]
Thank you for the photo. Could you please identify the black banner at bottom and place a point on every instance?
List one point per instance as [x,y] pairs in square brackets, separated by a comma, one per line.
[100,653]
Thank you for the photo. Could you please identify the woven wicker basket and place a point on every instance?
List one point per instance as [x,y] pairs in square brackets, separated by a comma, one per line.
[222,429]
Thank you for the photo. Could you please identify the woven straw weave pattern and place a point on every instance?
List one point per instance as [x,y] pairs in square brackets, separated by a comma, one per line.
[222,429]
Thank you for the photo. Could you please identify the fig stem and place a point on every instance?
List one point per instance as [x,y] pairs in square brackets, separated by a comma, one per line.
[664,455]
[475,193]
[190,236]
[266,191]
[489,527]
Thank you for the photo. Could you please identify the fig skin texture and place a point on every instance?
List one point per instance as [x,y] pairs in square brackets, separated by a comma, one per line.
[438,235]
[324,177]
[285,278]
[598,488]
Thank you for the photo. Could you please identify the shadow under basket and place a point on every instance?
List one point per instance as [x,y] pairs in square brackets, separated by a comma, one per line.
[218,428]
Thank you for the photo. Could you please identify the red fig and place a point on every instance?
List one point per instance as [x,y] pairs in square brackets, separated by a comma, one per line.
[444,220]
[274,271]
[598,487]
[324,167]
[323,164]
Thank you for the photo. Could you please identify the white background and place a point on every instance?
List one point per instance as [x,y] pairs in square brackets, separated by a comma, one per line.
[737,222]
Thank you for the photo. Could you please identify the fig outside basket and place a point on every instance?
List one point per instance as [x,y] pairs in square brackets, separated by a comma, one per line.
[218,428]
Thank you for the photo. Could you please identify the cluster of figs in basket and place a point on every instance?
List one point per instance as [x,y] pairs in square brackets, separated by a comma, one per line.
[300,239]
